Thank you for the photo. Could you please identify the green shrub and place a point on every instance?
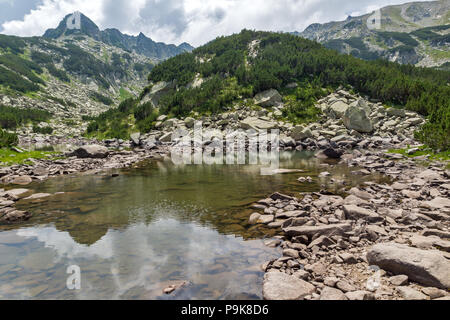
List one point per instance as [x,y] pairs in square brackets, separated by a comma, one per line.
[101,98]
[11,118]
[7,139]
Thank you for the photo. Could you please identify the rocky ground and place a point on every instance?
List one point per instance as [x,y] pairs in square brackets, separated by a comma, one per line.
[379,242]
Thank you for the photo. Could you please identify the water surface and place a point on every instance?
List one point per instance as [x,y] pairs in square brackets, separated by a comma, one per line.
[154,225]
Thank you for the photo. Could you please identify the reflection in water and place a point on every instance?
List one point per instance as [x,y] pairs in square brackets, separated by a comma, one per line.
[136,234]
[139,262]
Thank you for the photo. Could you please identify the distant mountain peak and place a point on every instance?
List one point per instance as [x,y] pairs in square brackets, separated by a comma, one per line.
[77,23]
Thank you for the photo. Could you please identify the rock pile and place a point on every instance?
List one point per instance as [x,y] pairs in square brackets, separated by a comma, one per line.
[379,241]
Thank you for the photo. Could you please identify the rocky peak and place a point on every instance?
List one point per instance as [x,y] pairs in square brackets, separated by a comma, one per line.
[74,23]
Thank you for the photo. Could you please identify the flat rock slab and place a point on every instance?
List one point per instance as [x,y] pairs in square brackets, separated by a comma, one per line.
[429,268]
[355,212]
[325,230]
[281,286]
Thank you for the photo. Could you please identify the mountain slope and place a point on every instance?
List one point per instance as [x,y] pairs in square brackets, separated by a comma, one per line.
[77,24]
[230,71]
[413,33]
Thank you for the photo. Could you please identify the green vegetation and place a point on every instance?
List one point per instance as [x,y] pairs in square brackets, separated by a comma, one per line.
[423,151]
[403,37]
[124,94]
[113,123]
[12,44]
[101,98]
[13,81]
[57,73]
[42,130]
[9,157]
[7,139]
[11,118]
[23,67]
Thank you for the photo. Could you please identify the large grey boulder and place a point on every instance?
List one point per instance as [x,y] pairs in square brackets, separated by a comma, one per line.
[299,133]
[136,138]
[281,286]
[338,109]
[356,118]
[429,268]
[268,98]
[91,151]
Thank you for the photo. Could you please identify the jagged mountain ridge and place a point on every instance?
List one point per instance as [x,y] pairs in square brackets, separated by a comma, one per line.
[79,24]
[412,33]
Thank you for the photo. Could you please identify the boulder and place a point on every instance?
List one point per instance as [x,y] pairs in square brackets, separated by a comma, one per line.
[281,286]
[338,109]
[20,180]
[136,138]
[268,98]
[333,153]
[91,151]
[300,133]
[189,122]
[356,118]
[429,268]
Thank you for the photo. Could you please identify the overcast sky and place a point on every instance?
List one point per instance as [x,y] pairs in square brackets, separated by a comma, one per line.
[176,21]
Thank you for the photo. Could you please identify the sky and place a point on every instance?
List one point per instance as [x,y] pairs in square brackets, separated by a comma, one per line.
[177,21]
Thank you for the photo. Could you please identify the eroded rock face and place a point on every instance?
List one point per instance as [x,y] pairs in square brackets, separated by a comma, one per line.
[281,286]
[91,151]
[429,268]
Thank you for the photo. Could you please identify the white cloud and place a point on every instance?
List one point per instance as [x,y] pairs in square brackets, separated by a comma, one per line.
[193,21]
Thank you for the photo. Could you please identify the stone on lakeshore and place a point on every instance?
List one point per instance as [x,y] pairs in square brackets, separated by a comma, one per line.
[360,194]
[434,293]
[281,286]
[333,153]
[325,230]
[399,280]
[411,294]
[429,268]
[38,196]
[360,295]
[136,138]
[355,212]
[15,194]
[20,180]
[266,219]
[252,123]
[13,216]
[189,122]
[254,218]
[334,294]
[91,151]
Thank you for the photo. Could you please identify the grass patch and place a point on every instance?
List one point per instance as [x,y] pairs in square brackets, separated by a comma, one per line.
[9,157]
[423,151]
